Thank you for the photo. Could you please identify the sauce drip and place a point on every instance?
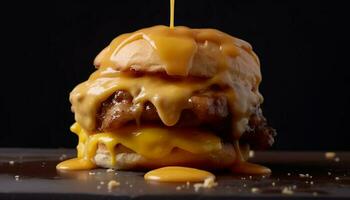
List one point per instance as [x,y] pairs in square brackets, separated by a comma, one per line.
[177,174]
[76,164]
[172,9]
[249,168]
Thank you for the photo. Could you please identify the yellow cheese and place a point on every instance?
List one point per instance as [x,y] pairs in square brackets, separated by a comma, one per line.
[150,142]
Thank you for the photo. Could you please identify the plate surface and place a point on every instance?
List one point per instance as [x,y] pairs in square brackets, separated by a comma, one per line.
[31,173]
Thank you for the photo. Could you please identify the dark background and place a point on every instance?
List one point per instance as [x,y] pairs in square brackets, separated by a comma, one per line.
[303,47]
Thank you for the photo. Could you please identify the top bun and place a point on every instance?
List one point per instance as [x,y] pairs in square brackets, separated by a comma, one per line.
[211,52]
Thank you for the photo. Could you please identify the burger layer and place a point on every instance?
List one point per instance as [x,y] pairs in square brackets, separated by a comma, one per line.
[207,110]
[134,147]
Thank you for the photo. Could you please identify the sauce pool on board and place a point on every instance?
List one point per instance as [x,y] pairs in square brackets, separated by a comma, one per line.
[177,174]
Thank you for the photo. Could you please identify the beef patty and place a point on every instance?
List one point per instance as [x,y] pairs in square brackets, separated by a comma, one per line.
[207,110]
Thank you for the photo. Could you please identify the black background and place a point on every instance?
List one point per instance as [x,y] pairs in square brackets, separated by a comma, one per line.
[303,47]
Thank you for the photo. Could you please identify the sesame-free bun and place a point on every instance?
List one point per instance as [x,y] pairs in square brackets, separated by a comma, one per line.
[126,160]
[208,57]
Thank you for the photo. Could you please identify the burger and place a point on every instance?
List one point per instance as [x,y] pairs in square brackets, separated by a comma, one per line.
[165,96]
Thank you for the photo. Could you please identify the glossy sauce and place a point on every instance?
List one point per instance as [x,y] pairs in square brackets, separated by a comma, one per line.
[176,49]
[172,10]
[177,174]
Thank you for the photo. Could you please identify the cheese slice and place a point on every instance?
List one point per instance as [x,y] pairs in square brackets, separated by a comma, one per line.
[150,142]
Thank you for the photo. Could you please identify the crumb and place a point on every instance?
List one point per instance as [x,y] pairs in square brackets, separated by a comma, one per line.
[314,193]
[302,175]
[311,182]
[116,173]
[98,187]
[288,174]
[178,188]
[330,155]
[250,177]
[263,176]
[307,175]
[336,178]
[92,173]
[102,182]
[329,173]
[130,185]
[63,156]
[244,185]
[109,170]
[307,182]
[242,178]
[251,154]
[287,190]
[208,183]
[337,159]
[310,177]
[294,187]
[11,162]
[112,184]
[188,184]
[273,184]
[17,177]
[255,190]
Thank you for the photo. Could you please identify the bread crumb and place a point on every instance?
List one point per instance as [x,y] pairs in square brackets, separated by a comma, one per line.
[336,178]
[109,170]
[112,184]
[63,156]
[329,173]
[17,177]
[92,173]
[273,184]
[255,190]
[287,190]
[337,159]
[311,182]
[302,175]
[288,174]
[208,183]
[251,154]
[102,182]
[187,184]
[330,155]
[314,193]
[178,188]
[11,162]
[98,187]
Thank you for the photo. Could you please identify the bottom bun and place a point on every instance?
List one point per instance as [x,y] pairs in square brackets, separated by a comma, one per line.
[127,159]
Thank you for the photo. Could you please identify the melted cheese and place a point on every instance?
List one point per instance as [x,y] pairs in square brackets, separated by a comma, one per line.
[177,174]
[178,48]
[150,142]
[172,9]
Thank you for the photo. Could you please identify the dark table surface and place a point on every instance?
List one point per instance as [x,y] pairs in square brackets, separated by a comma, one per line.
[31,174]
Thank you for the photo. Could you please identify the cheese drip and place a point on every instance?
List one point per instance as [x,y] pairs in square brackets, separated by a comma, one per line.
[236,69]
[150,142]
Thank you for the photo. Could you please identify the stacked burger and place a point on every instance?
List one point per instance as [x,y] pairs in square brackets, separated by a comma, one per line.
[161,97]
